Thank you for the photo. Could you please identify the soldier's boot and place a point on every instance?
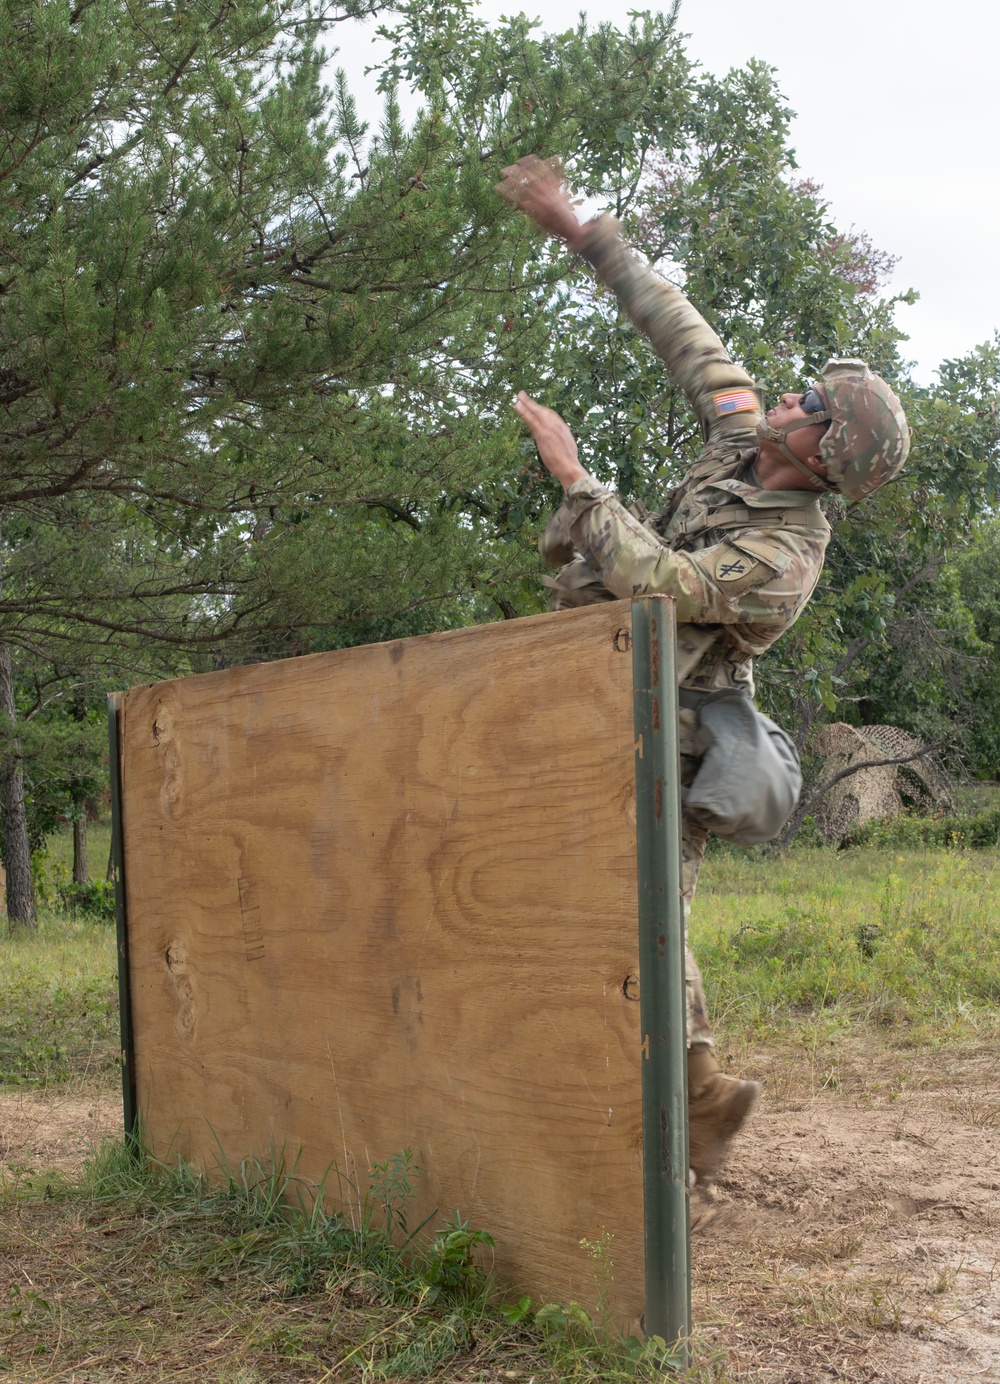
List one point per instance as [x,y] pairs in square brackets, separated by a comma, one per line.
[717,1106]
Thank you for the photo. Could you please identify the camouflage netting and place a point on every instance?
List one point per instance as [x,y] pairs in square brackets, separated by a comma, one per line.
[880,792]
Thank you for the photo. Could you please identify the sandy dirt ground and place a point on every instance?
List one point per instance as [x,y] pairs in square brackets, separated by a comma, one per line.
[857,1231]
[855,1236]
[39,1132]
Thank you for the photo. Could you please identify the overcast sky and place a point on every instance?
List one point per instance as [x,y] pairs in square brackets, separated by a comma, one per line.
[896,116]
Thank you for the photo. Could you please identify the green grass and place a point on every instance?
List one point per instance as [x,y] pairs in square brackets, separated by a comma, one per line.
[908,941]
[975,797]
[58,1002]
[59,987]
[247,1282]
[55,867]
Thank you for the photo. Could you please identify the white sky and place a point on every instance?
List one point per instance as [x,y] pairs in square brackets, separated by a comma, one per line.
[897,116]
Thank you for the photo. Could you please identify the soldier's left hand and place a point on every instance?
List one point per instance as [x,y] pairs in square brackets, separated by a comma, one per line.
[537,187]
[556,444]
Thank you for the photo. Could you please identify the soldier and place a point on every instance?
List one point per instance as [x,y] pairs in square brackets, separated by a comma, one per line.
[739,544]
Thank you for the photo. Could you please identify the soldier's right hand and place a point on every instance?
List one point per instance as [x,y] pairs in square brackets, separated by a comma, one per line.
[556,444]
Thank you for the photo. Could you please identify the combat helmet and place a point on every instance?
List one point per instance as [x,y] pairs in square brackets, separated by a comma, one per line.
[868,437]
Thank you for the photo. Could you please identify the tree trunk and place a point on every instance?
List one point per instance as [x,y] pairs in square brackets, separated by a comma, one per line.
[13,817]
[78,792]
[81,874]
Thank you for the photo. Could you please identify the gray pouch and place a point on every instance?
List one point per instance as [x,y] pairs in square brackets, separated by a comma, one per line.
[749,778]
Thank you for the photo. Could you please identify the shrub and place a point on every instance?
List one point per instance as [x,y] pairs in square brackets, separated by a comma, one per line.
[958,831]
[94,900]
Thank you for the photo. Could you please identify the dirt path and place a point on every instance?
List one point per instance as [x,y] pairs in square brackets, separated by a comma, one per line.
[856,1236]
[40,1132]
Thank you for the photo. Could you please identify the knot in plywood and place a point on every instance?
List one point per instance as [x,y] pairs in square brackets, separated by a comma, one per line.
[171,767]
[181,974]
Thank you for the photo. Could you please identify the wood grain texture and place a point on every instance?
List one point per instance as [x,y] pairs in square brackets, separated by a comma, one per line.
[385,898]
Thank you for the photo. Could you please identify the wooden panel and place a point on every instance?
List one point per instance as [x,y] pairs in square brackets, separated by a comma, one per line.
[385,898]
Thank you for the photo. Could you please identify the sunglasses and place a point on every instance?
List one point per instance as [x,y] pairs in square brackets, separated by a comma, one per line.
[812,401]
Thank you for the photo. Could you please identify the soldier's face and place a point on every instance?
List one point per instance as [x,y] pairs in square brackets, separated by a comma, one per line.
[787,411]
[803,442]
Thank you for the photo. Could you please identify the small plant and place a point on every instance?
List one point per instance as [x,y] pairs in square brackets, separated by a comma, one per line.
[391,1190]
[868,935]
[604,1273]
[94,900]
[451,1269]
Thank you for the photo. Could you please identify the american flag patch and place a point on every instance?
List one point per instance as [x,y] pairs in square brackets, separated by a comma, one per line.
[734,401]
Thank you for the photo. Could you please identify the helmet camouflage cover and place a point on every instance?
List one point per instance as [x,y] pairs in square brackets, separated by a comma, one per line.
[868,437]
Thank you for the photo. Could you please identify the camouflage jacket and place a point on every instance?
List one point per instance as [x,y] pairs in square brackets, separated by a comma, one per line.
[741,561]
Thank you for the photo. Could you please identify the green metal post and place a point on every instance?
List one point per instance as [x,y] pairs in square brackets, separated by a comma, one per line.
[130,1108]
[662,1004]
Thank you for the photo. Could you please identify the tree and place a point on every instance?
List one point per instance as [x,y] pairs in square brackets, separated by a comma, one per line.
[254,371]
[979,583]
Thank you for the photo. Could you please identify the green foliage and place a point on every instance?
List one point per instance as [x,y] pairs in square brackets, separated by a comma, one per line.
[391,1192]
[258,364]
[257,361]
[806,951]
[95,899]
[962,831]
[450,1268]
[905,937]
[255,1257]
[978,574]
[62,746]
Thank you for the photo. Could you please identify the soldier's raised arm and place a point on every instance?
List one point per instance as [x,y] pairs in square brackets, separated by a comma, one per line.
[721,392]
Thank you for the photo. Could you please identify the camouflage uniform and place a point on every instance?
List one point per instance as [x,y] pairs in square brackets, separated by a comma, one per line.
[740,561]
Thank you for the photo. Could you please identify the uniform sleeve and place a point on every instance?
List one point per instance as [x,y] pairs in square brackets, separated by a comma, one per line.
[721,392]
[724,584]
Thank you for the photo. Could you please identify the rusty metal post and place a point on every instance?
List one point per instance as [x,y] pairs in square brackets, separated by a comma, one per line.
[663,1014]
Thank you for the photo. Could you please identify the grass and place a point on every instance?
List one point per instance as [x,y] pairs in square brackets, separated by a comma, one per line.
[58,1002]
[905,941]
[137,1264]
[59,987]
[57,864]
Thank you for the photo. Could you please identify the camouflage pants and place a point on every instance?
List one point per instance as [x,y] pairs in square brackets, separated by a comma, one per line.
[693,842]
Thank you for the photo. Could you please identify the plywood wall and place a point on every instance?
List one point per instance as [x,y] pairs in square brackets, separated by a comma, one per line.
[385,898]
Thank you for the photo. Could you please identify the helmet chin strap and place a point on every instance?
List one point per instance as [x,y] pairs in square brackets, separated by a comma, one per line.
[778,436]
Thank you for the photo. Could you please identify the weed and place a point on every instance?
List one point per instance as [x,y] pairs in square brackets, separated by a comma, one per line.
[392,1190]
[449,1267]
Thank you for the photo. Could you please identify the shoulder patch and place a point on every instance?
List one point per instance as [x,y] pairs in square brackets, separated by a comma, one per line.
[734,571]
[732,566]
[735,401]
